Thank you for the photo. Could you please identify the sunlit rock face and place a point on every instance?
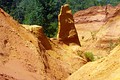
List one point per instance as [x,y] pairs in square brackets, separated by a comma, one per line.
[38,32]
[20,55]
[67,32]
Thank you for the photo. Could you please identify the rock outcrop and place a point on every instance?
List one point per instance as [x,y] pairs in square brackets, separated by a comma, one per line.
[67,32]
[38,32]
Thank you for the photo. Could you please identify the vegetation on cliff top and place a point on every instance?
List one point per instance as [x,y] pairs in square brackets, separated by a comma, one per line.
[45,12]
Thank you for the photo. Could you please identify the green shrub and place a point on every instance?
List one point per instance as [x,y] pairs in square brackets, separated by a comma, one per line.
[89,56]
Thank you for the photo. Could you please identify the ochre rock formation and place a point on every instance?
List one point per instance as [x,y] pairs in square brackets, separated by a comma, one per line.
[23,55]
[38,32]
[98,28]
[67,32]
[92,19]
[95,14]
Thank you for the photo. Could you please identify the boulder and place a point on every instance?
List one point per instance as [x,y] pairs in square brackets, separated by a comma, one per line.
[38,32]
[67,32]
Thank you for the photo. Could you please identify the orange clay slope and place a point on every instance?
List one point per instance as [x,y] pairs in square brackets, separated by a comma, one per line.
[25,56]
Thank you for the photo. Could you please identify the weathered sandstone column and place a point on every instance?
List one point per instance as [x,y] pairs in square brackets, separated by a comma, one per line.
[67,32]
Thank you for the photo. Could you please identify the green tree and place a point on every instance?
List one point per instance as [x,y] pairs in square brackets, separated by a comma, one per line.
[40,12]
[49,13]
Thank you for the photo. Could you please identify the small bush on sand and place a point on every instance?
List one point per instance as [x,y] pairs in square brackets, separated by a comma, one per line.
[89,56]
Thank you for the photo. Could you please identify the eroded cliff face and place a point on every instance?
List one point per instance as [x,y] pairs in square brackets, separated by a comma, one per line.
[98,28]
[96,14]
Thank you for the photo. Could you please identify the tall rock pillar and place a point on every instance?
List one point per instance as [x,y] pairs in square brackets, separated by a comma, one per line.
[66,29]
